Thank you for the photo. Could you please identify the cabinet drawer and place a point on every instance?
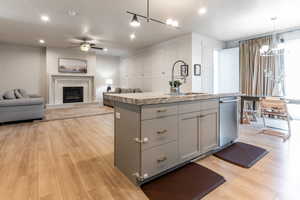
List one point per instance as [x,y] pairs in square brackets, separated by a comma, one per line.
[209,104]
[188,107]
[160,158]
[159,131]
[156,111]
[194,106]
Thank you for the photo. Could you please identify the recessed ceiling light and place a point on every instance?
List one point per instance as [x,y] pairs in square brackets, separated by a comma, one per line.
[42,41]
[105,49]
[45,18]
[202,11]
[132,36]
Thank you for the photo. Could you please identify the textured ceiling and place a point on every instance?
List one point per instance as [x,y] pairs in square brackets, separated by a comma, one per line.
[107,21]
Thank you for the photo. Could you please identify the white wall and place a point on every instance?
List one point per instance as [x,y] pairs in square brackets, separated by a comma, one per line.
[101,67]
[53,54]
[107,67]
[150,69]
[22,67]
[203,53]
[228,71]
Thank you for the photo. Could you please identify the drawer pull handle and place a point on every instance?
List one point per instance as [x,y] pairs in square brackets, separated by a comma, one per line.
[142,141]
[161,132]
[163,110]
[201,116]
[162,159]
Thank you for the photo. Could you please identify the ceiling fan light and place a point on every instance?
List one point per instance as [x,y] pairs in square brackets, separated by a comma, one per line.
[85,47]
[135,22]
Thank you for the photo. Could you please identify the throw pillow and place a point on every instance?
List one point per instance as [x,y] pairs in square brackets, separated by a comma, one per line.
[1,97]
[23,93]
[18,94]
[9,94]
[137,90]
[118,90]
[123,90]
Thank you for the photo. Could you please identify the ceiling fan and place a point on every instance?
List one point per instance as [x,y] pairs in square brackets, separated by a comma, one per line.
[86,44]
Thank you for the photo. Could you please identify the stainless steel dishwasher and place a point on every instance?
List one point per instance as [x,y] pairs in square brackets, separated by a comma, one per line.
[228,120]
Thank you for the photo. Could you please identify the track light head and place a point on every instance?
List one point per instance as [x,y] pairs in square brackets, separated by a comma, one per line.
[135,22]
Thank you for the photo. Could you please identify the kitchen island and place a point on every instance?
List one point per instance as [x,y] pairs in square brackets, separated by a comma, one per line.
[156,132]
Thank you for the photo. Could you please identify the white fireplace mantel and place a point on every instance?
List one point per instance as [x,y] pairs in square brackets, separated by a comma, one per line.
[58,81]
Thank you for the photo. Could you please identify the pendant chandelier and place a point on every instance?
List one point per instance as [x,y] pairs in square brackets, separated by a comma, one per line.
[277,44]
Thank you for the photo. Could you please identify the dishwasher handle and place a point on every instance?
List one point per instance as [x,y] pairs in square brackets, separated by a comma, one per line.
[229,101]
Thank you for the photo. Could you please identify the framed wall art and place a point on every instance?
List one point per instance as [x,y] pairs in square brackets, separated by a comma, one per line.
[72,65]
[197,69]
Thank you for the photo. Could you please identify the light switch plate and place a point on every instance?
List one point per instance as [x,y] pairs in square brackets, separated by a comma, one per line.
[118,115]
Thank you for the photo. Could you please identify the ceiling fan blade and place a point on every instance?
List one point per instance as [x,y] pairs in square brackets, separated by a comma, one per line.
[98,48]
[72,47]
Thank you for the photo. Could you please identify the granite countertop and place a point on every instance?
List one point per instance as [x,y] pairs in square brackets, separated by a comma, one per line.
[148,98]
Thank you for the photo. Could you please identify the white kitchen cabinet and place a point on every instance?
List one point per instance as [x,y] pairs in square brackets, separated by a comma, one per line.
[188,136]
[209,134]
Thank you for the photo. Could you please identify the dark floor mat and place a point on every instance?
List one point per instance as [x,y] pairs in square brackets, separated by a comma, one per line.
[242,154]
[191,182]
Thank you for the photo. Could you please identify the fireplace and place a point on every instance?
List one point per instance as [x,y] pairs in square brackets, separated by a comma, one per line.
[72,94]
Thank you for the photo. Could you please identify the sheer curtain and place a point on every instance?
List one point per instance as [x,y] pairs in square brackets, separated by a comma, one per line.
[292,69]
[253,66]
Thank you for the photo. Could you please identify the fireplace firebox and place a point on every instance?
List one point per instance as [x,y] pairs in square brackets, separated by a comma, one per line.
[72,94]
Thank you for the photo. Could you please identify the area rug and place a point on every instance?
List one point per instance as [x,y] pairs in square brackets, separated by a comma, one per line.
[191,182]
[76,112]
[242,154]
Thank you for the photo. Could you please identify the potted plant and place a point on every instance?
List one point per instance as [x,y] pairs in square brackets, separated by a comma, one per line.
[175,86]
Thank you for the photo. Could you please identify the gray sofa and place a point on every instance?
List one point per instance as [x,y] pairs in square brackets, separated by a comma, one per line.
[110,103]
[20,108]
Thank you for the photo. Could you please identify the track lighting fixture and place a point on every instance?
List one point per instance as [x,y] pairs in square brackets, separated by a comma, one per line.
[135,22]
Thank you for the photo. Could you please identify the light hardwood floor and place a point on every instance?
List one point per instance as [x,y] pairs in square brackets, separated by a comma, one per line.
[73,160]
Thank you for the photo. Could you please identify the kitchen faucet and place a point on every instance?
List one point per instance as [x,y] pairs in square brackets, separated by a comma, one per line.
[173,89]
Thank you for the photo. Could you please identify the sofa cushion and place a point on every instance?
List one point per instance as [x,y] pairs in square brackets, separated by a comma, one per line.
[18,94]
[123,90]
[118,90]
[10,94]
[137,90]
[23,93]
[22,102]
[129,90]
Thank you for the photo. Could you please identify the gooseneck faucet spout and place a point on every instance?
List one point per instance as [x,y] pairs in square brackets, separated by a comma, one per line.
[184,64]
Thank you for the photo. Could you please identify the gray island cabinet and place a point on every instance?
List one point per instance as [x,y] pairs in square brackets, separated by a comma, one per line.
[156,135]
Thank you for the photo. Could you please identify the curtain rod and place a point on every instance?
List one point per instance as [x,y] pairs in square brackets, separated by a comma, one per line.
[284,31]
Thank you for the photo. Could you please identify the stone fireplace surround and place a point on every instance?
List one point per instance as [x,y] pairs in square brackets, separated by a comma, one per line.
[58,81]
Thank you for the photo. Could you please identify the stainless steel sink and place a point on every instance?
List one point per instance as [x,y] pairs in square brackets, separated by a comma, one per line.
[188,93]
[192,93]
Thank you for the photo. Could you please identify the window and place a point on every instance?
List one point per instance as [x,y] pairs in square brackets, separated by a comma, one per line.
[292,69]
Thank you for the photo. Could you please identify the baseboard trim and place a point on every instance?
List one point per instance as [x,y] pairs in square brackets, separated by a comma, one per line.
[70,105]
